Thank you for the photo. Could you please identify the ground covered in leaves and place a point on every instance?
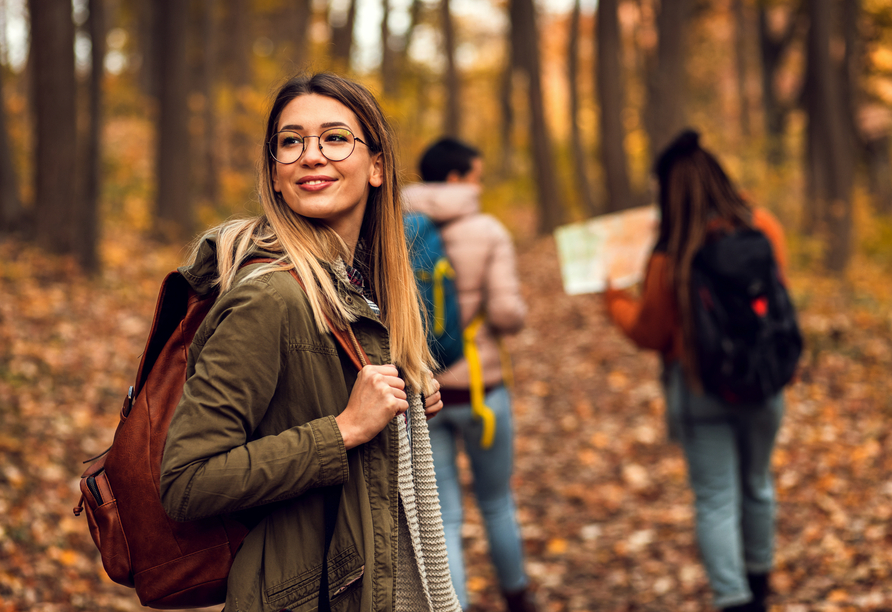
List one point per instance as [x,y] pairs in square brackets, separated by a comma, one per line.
[605,510]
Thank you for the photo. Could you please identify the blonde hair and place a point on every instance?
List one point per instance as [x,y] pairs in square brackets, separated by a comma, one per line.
[381,254]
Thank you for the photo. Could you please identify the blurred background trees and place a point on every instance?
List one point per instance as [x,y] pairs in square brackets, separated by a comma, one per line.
[148,115]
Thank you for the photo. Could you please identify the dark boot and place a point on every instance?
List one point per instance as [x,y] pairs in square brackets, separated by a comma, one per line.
[521,601]
[759,588]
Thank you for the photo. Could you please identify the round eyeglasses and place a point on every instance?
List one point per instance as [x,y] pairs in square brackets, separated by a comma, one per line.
[336,144]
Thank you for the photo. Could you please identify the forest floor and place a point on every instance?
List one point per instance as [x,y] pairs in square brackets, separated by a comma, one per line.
[605,510]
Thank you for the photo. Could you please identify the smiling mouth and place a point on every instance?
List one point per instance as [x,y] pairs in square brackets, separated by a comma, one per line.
[315,181]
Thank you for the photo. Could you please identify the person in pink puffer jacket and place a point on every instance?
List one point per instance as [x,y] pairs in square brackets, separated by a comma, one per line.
[482,255]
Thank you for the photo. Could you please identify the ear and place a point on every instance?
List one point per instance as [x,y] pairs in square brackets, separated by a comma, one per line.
[275,176]
[454,177]
[376,172]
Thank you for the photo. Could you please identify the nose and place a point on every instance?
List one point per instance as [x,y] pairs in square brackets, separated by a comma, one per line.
[312,153]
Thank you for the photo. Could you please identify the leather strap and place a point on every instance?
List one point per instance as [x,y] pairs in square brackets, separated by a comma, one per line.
[346,338]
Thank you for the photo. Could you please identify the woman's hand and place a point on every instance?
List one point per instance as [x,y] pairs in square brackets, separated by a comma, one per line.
[378,396]
[433,403]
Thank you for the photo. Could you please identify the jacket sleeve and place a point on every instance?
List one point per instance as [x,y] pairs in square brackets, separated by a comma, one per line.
[505,307]
[211,464]
[771,227]
[651,321]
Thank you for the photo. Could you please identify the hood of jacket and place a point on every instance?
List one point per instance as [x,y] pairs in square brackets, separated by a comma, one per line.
[203,271]
[442,202]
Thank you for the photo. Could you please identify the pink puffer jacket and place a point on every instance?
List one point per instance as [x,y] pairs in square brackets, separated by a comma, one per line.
[482,255]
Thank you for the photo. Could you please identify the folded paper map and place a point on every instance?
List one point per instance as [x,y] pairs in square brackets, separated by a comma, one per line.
[614,246]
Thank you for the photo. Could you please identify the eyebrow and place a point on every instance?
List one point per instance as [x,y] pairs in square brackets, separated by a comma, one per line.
[330,124]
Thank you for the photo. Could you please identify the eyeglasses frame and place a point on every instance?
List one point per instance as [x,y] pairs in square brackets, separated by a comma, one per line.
[269,145]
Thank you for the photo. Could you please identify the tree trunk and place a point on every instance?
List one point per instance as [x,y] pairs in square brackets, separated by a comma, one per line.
[87,220]
[506,125]
[830,140]
[525,39]
[303,19]
[342,39]
[580,159]
[741,54]
[52,54]
[452,116]
[667,78]
[237,50]
[772,47]
[389,74]
[208,178]
[145,36]
[11,211]
[414,17]
[878,162]
[174,214]
[610,92]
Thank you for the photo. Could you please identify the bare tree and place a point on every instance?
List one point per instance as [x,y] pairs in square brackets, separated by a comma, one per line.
[506,106]
[667,77]
[610,92]
[773,44]
[580,161]
[452,116]
[303,18]
[389,73]
[829,140]
[236,53]
[525,43]
[145,39]
[342,39]
[741,53]
[55,159]
[173,209]
[87,219]
[11,211]
[205,79]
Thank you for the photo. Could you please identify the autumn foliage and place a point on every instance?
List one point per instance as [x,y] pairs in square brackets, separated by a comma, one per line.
[605,510]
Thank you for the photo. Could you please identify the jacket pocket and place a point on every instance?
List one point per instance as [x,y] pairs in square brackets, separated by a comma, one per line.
[345,571]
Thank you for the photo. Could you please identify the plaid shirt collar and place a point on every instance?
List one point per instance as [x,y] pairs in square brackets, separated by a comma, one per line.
[356,278]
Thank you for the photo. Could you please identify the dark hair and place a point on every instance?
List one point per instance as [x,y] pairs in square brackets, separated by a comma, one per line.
[695,195]
[445,156]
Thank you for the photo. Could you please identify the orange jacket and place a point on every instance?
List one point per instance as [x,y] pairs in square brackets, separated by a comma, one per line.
[652,322]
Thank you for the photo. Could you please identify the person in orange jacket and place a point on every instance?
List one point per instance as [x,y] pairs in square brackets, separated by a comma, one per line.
[727,448]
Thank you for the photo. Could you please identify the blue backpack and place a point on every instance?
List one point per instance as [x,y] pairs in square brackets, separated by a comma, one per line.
[436,284]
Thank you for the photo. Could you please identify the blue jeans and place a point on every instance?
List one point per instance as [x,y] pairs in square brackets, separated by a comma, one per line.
[491,470]
[728,451]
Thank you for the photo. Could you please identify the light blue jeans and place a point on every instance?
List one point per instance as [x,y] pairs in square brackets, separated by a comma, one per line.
[491,470]
[728,450]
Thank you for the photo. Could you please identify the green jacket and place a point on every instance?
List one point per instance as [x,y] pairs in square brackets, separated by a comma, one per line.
[256,427]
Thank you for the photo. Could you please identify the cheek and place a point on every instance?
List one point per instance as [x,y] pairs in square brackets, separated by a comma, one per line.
[275,177]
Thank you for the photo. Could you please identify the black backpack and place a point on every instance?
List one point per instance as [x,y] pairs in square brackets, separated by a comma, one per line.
[747,338]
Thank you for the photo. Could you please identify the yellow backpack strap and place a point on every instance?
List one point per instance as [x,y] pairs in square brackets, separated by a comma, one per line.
[442,269]
[475,373]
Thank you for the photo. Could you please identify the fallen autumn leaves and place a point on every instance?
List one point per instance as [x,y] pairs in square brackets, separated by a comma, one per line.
[605,509]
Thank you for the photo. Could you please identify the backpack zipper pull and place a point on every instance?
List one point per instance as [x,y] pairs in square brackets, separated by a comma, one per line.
[79,507]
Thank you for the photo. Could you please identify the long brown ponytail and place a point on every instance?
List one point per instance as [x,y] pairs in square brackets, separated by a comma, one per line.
[695,195]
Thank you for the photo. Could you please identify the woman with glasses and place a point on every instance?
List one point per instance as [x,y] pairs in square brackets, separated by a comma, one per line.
[330,468]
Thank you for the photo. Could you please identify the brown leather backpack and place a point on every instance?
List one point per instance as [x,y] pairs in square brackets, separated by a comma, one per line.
[170,564]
